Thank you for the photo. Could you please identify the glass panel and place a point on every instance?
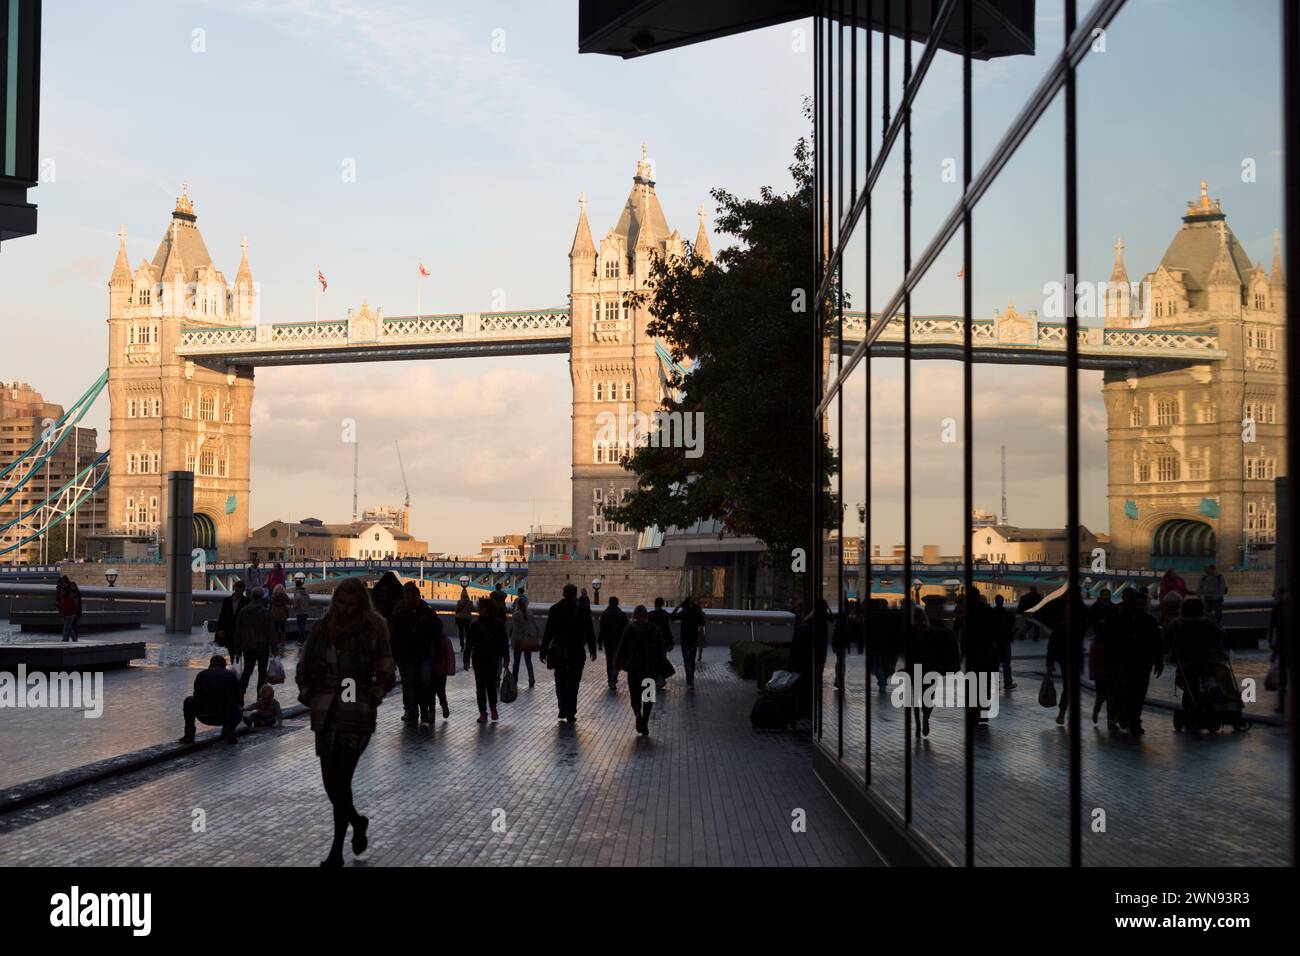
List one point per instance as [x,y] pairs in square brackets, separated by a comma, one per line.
[1180,458]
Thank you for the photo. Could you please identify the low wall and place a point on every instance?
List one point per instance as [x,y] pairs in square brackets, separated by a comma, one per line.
[632,586]
[128,575]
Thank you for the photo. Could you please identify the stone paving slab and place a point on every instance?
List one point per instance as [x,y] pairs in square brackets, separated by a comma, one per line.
[704,790]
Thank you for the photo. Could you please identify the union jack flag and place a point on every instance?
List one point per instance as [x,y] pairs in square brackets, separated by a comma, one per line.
[320,277]
[423,270]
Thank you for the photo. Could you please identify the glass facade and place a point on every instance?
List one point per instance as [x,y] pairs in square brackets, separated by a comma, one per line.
[1052,260]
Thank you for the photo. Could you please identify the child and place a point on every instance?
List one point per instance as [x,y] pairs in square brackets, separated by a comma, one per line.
[265,711]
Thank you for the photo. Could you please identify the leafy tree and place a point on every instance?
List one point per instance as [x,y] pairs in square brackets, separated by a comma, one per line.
[744,326]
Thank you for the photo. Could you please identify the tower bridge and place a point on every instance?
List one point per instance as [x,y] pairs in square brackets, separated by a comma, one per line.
[1182,369]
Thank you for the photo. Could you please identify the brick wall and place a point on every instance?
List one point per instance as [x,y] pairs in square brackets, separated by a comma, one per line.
[128,575]
[632,586]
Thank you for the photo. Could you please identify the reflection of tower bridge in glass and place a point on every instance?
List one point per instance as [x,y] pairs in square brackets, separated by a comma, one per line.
[183,346]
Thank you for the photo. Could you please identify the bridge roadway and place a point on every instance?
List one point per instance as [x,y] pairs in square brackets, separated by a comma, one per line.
[369,338]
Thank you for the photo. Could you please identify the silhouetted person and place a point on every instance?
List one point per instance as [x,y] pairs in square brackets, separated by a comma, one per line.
[486,649]
[235,602]
[568,632]
[692,618]
[386,594]
[1212,589]
[464,615]
[885,637]
[1136,649]
[524,638]
[664,622]
[1029,600]
[979,641]
[68,601]
[216,701]
[255,634]
[1172,583]
[641,649]
[254,576]
[1194,638]
[613,621]
[415,635]
[344,671]
[1003,622]
[498,596]
[849,630]
[935,648]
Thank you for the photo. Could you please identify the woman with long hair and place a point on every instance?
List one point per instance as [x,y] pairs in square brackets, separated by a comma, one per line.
[641,654]
[486,650]
[345,669]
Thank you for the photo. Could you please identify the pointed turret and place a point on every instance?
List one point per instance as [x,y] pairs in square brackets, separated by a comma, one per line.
[702,249]
[1224,281]
[1118,304]
[583,245]
[244,292]
[122,266]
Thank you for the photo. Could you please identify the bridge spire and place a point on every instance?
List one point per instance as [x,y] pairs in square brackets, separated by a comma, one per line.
[702,249]
[1276,279]
[1118,303]
[121,267]
[583,245]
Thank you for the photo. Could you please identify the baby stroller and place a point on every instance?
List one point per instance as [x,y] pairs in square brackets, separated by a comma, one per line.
[1211,696]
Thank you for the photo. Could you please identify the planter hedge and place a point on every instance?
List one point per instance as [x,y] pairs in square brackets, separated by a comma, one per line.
[754,660]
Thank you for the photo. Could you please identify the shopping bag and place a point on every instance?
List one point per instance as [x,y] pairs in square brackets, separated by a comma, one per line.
[509,688]
[275,671]
[1047,691]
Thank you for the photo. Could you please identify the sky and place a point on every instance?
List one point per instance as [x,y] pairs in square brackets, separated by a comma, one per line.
[472,130]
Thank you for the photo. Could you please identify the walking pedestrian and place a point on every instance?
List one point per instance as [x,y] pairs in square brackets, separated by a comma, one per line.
[464,615]
[485,650]
[693,621]
[568,632]
[1172,583]
[524,638]
[443,666]
[253,576]
[279,611]
[1003,622]
[664,622]
[235,602]
[344,672]
[301,606]
[1138,649]
[276,578]
[256,636]
[640,652]
[498,596]
[386,594]
[613,622]
[849,630]
[215,701]
[1211,589]
[68,599]
[934,648]
[415,636]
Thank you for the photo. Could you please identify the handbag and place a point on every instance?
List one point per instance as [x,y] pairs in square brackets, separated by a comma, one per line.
[1273,679]
[1047,691]
[275,671]
[509,688]
[665,669]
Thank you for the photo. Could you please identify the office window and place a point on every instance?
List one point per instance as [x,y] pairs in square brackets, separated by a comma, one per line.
[1167,411]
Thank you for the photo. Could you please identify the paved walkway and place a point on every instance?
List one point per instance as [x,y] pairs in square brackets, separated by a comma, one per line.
[705,789]
[142,708]
[1170,799]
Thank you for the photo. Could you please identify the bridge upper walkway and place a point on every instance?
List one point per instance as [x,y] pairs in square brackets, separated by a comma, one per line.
[364,337]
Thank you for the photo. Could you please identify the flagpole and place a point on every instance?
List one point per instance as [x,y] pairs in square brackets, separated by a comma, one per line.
[318,295]
[418,277]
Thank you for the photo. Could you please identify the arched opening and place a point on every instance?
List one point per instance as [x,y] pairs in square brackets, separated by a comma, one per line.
[610,550]
[1182,544]
[205,534]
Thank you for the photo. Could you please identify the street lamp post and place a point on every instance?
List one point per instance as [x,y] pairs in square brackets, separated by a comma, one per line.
[595,587]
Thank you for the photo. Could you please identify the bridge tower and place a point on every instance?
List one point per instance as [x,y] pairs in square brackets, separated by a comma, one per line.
[1187,485]
[612,362]
[169,413]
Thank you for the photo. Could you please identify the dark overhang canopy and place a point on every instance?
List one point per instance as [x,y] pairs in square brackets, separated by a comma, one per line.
[631,28]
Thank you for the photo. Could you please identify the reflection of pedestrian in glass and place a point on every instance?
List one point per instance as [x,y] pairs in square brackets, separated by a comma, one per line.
[1279,642]
[1212,589]
[1003,622]
[935,649]
[344,672]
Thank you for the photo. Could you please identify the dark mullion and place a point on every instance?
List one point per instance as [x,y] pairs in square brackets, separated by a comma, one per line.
[868,571]
[907,392]
[819,160]
[839,394]
[968,450]
[1291,222]
[1073,627]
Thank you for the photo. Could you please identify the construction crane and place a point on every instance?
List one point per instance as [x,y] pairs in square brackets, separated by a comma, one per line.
[406,504]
